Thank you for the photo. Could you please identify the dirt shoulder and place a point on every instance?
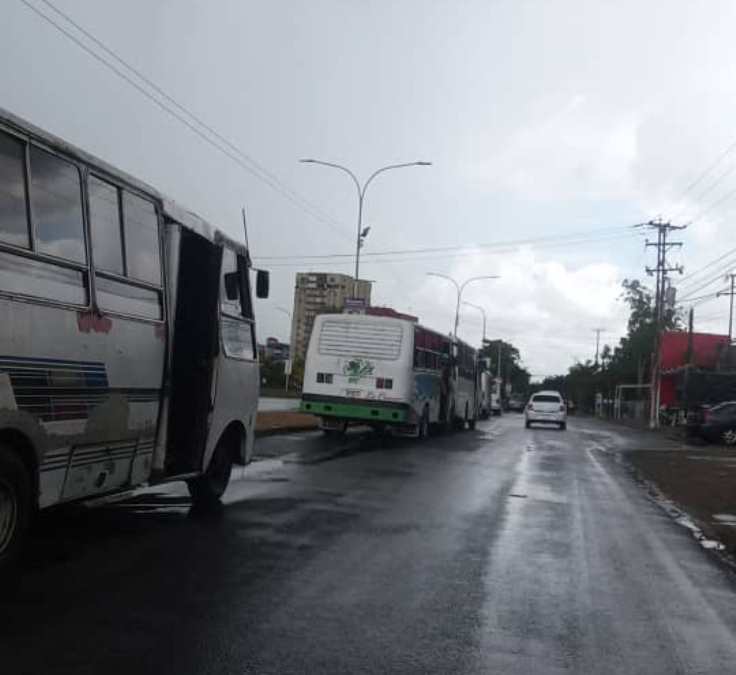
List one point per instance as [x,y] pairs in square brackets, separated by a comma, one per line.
[700,480]
[284,421]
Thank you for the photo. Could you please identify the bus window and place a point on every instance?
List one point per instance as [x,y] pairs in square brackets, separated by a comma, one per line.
[56,205]
[104,218]
[126,259]
[238,330]
[141,239]
[229,306]
[13,215]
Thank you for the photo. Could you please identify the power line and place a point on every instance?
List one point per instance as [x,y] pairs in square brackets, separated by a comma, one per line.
[571,238]
[470,253]
[693,184]
[700,285]
[230,150]
[705,267]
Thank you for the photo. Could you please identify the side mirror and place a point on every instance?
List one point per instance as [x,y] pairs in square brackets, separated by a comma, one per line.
[232,285]
[262,283]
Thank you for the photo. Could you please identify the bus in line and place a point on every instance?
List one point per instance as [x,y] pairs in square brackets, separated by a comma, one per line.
[389,373]
[127,341]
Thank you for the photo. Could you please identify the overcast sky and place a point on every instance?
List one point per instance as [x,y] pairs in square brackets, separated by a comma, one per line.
[541,119]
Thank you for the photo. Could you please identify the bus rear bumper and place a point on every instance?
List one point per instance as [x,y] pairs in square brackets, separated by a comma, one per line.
[364,411]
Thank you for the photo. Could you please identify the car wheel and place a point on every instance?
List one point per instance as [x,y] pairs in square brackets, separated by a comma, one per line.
[729,437]
[528,424]
[16,508]
[563,426]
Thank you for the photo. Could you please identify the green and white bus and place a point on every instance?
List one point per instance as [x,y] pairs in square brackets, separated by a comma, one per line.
[388,372]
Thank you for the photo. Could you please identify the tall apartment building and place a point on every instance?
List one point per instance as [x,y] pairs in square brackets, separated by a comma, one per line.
[317,293]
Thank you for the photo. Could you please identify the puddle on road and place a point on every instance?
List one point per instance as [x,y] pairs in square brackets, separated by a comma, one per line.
[725,518]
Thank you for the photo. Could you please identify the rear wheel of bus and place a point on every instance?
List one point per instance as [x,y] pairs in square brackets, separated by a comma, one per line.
[16,507]
[207,489]
[423,426]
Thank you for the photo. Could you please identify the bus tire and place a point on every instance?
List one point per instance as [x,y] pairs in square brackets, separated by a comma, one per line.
[206,490]
[471,424]
[450,419]
[423,431]
[16,509]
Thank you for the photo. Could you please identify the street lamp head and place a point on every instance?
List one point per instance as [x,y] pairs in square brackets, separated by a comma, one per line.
[308,161]
[422,163]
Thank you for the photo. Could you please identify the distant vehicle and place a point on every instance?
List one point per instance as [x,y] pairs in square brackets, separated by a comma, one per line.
[546,406]
[387,372]
[127,339]
[716,424]
[516,404]
[485,390]
[496,396]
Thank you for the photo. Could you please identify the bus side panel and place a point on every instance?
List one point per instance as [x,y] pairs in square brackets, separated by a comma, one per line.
[85,390]
[236,399]
[427,388]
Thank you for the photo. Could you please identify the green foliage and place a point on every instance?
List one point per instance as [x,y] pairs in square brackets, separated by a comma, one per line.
[511,369]
[627,363]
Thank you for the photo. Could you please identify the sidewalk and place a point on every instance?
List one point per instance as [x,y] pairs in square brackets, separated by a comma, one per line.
[284,421]
[699,480]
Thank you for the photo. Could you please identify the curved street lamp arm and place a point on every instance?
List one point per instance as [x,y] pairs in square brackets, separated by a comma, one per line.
[389,168]
[444,276]
[467,281]
[337,166]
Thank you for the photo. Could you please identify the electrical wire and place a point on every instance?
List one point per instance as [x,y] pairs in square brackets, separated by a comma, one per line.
[226,147]
[560,239]
[471,253]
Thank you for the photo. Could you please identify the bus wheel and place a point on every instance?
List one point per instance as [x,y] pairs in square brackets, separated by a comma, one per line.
[423,430]
[471,424]
[449,419]
[207,489]
[15,508]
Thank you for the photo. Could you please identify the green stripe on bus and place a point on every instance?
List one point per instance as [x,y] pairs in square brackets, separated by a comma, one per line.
[353,411]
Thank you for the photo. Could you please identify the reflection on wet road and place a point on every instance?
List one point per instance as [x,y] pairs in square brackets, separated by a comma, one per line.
[502,550]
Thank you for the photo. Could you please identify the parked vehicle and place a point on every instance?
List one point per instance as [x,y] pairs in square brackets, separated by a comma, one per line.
[496,396]
[546,406]
[516,403]
[716,424]
[387,372]
[127,340]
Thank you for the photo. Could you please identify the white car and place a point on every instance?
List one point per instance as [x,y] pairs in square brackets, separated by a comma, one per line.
[546,406]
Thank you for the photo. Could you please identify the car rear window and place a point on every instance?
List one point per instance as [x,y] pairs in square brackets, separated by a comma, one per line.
[546,398]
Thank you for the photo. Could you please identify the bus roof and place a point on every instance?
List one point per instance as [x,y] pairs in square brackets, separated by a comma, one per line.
[169,207]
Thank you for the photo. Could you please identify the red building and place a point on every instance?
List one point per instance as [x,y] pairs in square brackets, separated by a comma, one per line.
[681,350]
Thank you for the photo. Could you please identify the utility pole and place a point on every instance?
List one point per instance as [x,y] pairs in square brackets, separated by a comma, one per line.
[597,332]
[731,293]
[660,270]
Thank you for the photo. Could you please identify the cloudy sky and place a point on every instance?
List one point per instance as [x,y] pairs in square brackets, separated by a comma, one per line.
[543,120]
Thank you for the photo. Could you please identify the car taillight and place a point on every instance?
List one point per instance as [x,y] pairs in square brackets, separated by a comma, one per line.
[562,408]
[706,415]
[530,407]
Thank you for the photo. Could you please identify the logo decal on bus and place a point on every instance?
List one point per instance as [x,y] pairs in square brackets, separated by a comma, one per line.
[357,368]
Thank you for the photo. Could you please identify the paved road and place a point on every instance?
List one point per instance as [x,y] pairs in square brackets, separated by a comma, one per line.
[496,551]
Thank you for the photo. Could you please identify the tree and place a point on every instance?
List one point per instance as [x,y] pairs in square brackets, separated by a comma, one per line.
[511,369]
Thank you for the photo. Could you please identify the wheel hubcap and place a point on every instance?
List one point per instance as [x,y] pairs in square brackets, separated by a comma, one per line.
[8,514]
[729,437]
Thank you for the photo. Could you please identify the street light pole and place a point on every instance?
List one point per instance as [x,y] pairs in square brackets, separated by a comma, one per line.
[459,288]
[286,373]
[361,189]
[483,312]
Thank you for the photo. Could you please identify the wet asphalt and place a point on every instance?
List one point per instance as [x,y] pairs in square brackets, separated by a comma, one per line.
[502,550]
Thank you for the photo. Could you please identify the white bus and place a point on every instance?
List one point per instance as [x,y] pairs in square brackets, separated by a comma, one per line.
[387,372]
[127,338]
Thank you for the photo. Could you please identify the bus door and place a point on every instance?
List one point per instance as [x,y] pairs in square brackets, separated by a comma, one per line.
[194,352]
